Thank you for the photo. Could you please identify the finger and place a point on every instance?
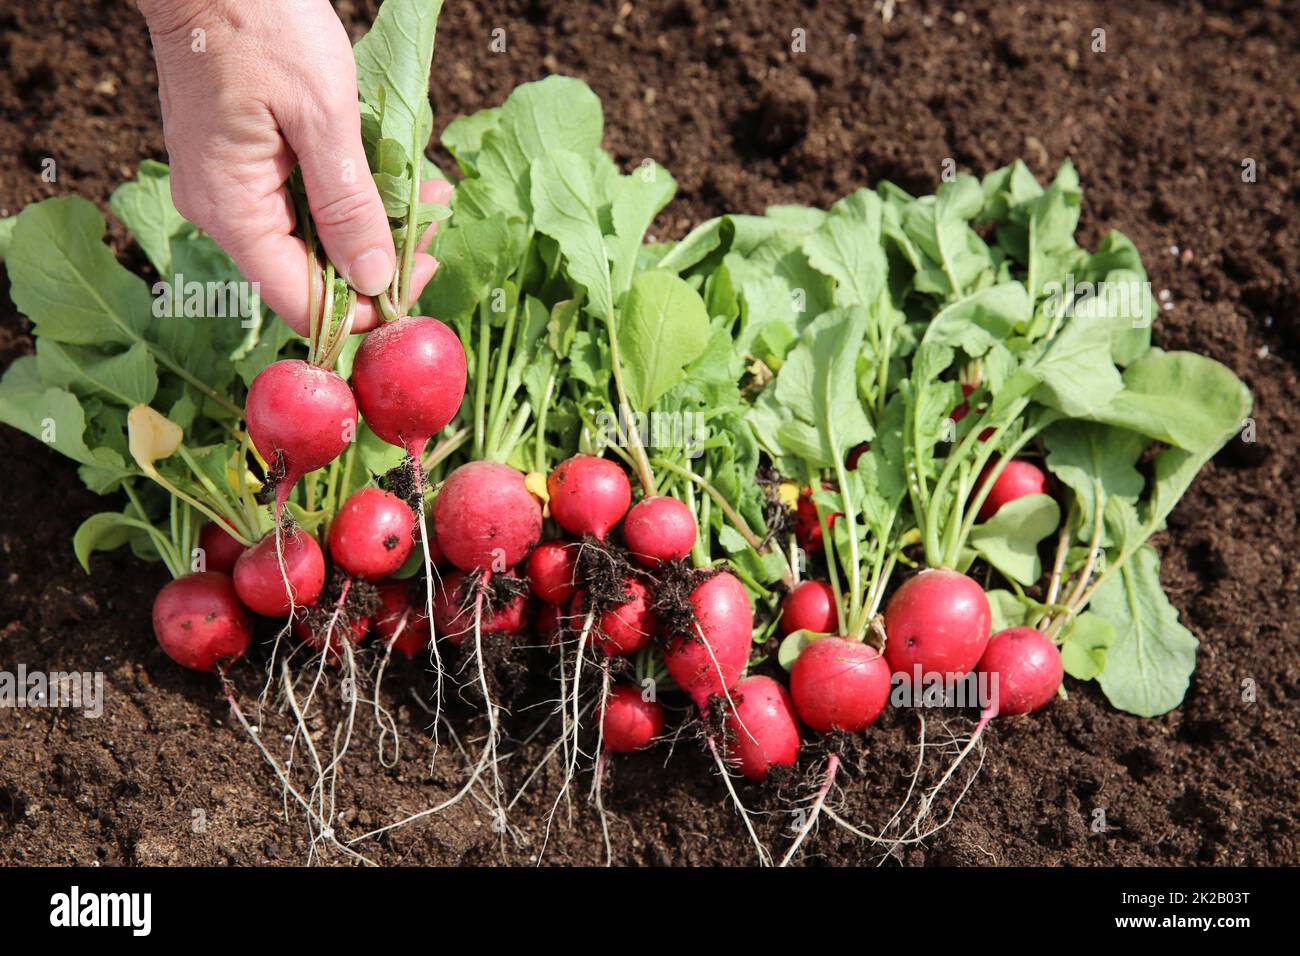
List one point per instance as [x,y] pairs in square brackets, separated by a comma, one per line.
[368,315]
[345,205]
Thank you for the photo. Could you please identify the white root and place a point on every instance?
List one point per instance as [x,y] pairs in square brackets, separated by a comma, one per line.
[764,858]
[832,766]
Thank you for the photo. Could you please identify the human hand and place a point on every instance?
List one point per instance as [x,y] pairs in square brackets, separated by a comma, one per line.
[248,91]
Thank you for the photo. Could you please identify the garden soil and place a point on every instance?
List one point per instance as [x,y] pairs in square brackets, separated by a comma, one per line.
[1164,125]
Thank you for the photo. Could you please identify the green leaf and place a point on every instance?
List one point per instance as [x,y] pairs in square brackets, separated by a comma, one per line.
[557,113]
[1180,398]
[1008,610]
[1009,539]
[67,281]
[792,646]
[564,209]
[6,234]
[1095,461]
[105,531]
[636,200]
[476,256]
[145,207]
[377,455]
[1087,641]
[846,247]
[662,328]
[1076,372]
[393,63]
[127,378]
[1151,662]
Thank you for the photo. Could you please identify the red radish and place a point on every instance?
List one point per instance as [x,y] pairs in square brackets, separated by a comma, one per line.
[549,623]
[807,529]
[453,611]
[659,529]
[588,495]
[624,629]
[486,517]
[1025,671]
[630,722]
[725,619]
[839,684]
[552,571]
[220,550]
[855,454]
[409,376]
[397,622]
[763,730]
[939,621]
[371,535]
[261,583]
[300,418]
[315,638]
[1018,478]
[200,622]
[809,607]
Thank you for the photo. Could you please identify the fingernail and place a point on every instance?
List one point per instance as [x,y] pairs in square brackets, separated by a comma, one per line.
[371,272]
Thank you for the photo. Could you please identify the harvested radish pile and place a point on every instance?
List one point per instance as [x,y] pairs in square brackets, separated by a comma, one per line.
[743,491]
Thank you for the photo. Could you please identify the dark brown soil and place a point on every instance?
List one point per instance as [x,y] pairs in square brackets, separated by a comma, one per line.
[1159,126]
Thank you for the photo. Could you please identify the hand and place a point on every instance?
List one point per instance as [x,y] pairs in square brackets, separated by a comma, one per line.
[248,91]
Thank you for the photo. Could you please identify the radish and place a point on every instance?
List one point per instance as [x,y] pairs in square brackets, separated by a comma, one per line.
[261,583]
[763,730]
[1017,479]
[938,621]
[588,495]
[486,517]
[809,607]
[549,622]
[314,636]
[807,528]
[409,378]
[199,621]
[1024,669]
[371,535]
[300,418]
[659,529]
[625,628]
[710,659]
[839,684]
[220,550]
[1027,668]
[630,722]
[453,610]
[552,571]
[397,622]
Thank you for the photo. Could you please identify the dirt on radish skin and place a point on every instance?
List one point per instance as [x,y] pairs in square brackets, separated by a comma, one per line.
[486,517]
[625,628]
[220,550]
[762,730]
[1025,671]
[659,529]
[710,658]
[453,610]
[200,622]
[409,378]
[300,418]
[588,495]
[372,534]
[939,621]
[261,583]
[809,607]
[630,722]
[552,571]
[839,684]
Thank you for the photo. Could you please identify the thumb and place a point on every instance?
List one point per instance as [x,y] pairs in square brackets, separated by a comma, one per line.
[345,205]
